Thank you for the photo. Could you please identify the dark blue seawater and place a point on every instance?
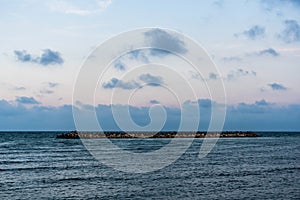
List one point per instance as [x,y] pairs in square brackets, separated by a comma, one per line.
[36,165]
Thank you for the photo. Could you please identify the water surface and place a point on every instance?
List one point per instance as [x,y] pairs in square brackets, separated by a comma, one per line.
[36,165]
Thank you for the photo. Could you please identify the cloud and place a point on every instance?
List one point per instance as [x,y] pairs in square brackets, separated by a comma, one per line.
[19,88]
[148,79]
[104,3]
[153,101]
[195,75]
[291,32]
[139,55]
[8,109]
[48,57]
[73,7]
[14,87]
[219,3]
[264,52]
[120,66]
[269,5]
[159,52]
[253,33]
[116,83]
[255,108]
[83,106]
[26,100]
[260,115]
[277,86]
[232,58]
[262,103]
[52,84]
[151,80]
[16,116]
[205,103]
[233,75]
[213,76]
[23,56]
[46,91]
[269,51]
[163,40]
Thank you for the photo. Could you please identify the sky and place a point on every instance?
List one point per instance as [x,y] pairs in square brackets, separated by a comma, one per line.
[255,46]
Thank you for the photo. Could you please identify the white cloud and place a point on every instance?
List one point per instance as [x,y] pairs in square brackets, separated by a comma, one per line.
[72,7]
[104,3]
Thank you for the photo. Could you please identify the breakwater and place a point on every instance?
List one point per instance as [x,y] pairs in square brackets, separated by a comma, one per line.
[164,134]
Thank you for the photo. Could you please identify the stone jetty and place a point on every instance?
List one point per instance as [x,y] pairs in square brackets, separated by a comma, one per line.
[164,134]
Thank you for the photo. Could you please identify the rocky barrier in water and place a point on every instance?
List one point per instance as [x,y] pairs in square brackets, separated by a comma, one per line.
[167,134]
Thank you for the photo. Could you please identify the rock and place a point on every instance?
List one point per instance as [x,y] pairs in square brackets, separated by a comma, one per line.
[69,135]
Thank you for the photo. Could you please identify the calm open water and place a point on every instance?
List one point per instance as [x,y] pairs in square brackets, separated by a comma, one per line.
[36,165]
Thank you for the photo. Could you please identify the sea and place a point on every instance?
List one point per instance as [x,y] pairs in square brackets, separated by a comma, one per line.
[36,165]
